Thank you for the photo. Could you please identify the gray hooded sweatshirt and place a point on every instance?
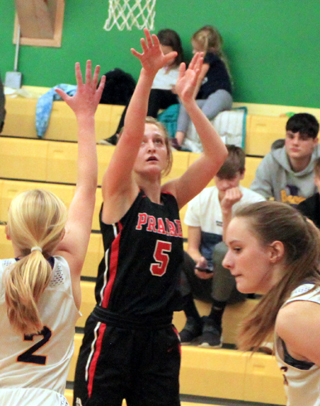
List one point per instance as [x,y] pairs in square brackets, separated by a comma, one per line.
[276,179]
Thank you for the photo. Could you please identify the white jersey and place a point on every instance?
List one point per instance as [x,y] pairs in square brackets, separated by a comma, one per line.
[302,386]
[38,365]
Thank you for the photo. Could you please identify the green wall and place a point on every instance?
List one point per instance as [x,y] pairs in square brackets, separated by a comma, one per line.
[273,45]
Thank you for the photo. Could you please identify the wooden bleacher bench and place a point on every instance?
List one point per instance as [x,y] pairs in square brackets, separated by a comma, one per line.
[55,162]
[223,373]
[62,125]
[264,124]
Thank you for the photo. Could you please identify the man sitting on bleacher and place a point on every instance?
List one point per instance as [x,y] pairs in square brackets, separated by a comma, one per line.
[203,276]
[286,173]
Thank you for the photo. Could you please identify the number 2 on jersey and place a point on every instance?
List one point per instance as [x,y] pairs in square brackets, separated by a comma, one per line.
[28,356]
[160,255]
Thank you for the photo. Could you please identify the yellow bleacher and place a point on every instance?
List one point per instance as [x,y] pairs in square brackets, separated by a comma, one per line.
[27,162]
[223,373]
[62,124]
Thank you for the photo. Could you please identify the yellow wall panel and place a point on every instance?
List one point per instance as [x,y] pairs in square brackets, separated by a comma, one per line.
[263,380]
[262,131]
[93,257]
[252,164]
[20,118]
[104,153]
[180,165]
[212,373]
[23,159]
[11,188]
[87,301]
[77,345]
[97,208]
[62,162]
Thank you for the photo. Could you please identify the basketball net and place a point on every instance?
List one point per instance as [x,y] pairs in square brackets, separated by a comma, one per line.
[129,13]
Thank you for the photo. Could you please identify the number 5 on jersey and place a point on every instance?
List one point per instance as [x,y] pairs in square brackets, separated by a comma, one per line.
[160,255]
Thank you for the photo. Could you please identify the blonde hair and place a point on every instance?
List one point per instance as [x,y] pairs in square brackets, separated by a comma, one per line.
[36,218]
[210,40]
[275,221]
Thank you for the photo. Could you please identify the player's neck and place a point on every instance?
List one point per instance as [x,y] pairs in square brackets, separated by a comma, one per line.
[299,164]
[152,189]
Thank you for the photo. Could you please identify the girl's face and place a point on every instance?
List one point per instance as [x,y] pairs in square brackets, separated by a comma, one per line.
[153,154]
[247,259]
[196,47]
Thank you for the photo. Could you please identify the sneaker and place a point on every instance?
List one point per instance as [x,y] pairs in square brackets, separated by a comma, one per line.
[211,335]
[191,331]
[174,144]
[109,141]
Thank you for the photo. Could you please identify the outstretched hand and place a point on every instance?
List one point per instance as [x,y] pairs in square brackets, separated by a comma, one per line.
[152,58]
[187,81]
[88,96]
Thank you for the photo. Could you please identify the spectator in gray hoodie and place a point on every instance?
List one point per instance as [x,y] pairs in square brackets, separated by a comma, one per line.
[286,173]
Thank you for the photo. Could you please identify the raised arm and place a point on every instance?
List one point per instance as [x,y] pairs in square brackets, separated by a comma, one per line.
[214,151]
[231,197]
[118,187]
[202,74]
[84,104]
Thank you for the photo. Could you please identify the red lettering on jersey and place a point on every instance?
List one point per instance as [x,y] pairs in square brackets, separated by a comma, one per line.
[171,228]
[161,226]
[142,220]
[152,224]
[179,228]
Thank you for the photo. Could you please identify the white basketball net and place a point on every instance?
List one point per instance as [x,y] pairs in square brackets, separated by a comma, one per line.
[129,13]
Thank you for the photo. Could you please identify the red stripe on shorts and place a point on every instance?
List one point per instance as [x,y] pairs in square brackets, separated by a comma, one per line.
[93,364]
[113,266]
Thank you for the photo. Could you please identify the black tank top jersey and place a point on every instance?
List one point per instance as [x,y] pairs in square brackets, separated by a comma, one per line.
[216,78]
[139,274]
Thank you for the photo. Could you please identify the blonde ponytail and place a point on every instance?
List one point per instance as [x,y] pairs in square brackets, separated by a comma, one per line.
[36,224]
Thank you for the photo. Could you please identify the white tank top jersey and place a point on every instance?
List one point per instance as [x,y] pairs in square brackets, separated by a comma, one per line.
[302,386]
[36,366]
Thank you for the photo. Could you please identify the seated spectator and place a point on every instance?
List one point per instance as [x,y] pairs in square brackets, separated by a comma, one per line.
[286,173]
[311,206]
[203,276]
[162,93]
[214,89]
[2,104]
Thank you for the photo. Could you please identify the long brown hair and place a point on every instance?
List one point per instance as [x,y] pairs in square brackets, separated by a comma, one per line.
[171,39]
[275,221]
[36,218]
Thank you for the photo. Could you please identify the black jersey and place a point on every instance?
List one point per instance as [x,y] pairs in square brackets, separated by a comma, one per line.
[216,78]
[139,273]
